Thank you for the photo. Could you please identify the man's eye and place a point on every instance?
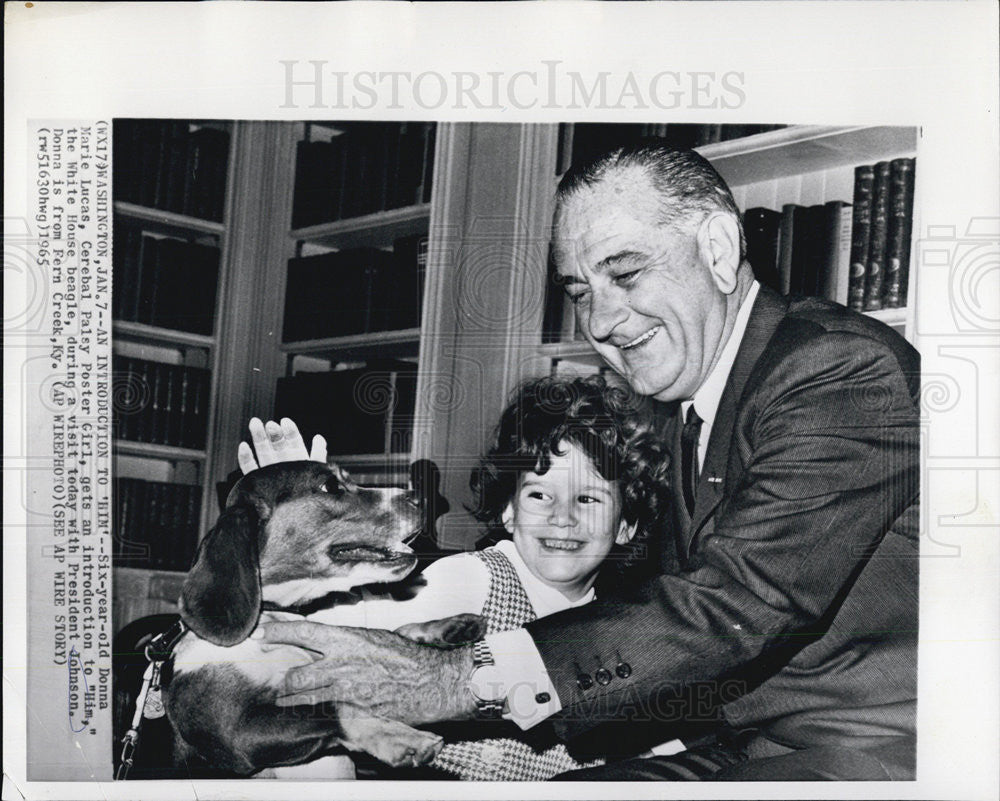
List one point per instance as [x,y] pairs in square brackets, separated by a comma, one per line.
[624,279]
[576,298]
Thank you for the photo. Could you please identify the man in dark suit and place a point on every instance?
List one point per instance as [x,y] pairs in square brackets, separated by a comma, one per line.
[786,611]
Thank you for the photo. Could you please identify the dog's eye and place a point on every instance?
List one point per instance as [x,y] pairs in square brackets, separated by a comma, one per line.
[332,486]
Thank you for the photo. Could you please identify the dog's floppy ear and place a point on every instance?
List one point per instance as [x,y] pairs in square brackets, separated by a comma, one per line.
[221,597]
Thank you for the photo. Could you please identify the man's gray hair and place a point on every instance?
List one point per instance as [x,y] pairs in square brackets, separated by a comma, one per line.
[689,187]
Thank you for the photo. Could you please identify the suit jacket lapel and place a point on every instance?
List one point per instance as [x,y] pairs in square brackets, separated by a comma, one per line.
[768,310]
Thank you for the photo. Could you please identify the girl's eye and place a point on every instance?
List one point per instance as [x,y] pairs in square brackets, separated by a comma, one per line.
[535,495]
[588,499]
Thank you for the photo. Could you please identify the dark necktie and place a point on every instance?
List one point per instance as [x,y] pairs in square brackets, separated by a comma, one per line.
[689,456]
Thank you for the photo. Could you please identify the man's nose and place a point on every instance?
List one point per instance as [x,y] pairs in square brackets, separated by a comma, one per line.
[607,312]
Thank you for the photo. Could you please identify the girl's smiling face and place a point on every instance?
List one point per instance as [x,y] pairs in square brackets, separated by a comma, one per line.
[565,520]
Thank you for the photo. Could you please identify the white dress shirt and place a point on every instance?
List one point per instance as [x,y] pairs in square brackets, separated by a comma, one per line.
[517,659]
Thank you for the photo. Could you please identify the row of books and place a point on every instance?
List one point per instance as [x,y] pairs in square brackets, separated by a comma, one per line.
[880,239]
[356,291]
[156,524]
[366,410]
[856,254]
[163,281]
[591,139]
[163,404]
[365,167]
[164,164]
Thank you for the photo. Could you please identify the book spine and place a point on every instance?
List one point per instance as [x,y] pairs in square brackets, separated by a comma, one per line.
[864,182]
[135,543]
[427,174]
[182,394]
[168,133]
[875,267]
[118,523]
[900,228]
[148,285]
[176,169]
[121,384]
[762,230]
[197,418]
[142,429]
[151,144]
[208,289]
[355,169]
[159,398]
[192,520]
[835,213]
[218,174]
[786,241]
[840,273]
[164,289]
[172,517]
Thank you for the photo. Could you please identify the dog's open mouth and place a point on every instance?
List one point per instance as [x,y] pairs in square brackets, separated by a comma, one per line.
[358,552]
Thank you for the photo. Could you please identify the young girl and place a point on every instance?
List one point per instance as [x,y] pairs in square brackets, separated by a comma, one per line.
[572,491]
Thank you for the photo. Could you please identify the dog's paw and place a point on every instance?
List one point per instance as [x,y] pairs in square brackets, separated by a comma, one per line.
[389,741]
[449,631]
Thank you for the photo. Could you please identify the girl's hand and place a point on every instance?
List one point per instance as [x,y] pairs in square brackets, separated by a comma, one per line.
[277,443]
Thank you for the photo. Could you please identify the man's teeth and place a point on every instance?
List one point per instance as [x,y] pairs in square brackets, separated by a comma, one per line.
[641,340]
[563,545]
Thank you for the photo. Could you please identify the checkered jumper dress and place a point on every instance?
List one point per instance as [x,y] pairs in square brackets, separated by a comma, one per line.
[506,758]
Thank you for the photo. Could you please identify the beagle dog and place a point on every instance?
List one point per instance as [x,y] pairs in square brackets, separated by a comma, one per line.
[290,534]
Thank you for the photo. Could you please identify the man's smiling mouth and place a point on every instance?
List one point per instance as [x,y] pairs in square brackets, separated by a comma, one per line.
[642,339]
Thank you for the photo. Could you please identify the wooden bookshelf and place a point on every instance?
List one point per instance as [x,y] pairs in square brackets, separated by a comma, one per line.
[370,230]
[800,149]
[403,344]
[168,222]
[155,335]
[379,229]
[152,450]
[138,590]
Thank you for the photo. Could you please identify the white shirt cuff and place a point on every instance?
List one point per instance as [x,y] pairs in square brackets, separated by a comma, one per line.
[531,696]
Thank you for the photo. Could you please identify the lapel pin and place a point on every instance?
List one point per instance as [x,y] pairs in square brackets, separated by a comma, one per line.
[714,480]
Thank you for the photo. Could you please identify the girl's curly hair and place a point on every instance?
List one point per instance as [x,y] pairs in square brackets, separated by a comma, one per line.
[612,426]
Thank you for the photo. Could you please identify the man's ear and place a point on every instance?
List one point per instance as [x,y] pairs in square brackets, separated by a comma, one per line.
[719,247]
[507,518]
[626,531]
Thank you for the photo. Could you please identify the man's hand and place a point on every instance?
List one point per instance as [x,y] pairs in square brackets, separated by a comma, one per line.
[382,673]
[277,443]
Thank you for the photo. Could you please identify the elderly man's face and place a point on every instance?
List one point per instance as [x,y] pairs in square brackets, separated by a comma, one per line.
[644,294]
